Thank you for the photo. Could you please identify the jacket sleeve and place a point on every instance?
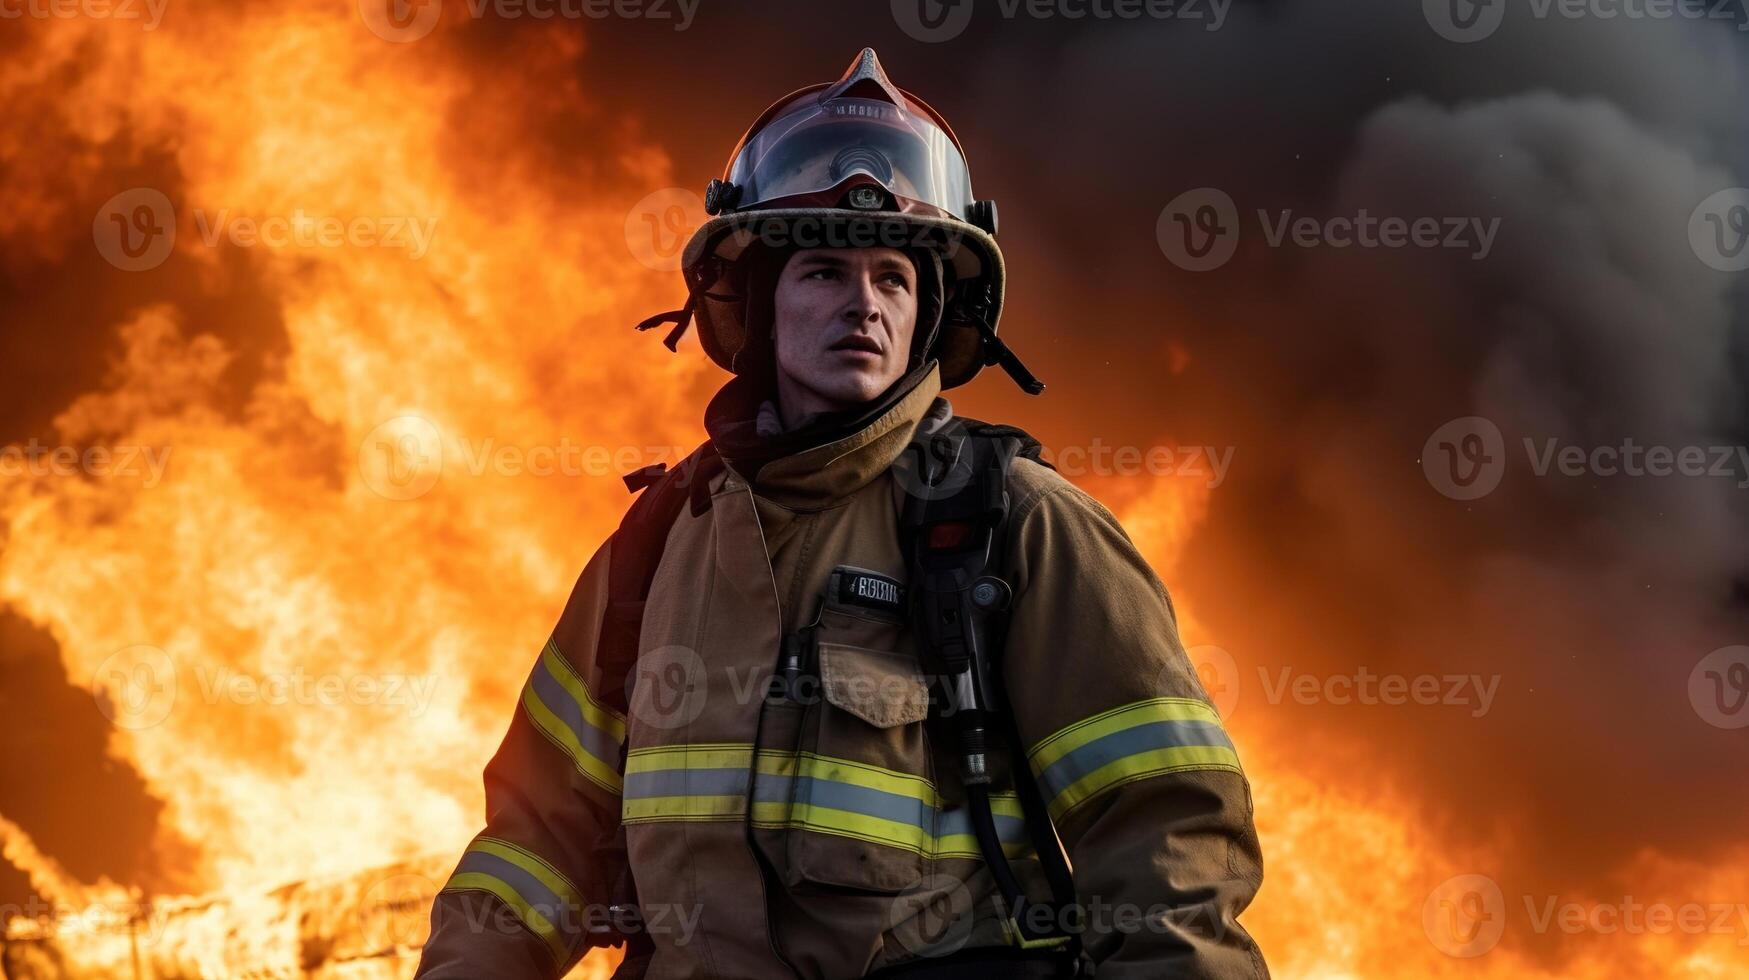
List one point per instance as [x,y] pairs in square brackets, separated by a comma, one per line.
[1141,780]
[527,886]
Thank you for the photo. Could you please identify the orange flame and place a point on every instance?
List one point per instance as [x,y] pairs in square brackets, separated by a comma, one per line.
[310,623]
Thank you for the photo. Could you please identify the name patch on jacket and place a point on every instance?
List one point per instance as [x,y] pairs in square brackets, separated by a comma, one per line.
[860,587]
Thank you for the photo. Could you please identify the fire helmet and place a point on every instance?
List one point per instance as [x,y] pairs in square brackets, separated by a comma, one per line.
[856,163]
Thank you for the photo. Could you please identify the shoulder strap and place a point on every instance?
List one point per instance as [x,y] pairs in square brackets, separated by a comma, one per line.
[635,553]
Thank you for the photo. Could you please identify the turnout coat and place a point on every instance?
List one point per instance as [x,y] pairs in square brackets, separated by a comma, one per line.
[825,836]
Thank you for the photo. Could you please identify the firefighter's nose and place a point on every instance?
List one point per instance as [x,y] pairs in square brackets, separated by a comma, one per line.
[864,301]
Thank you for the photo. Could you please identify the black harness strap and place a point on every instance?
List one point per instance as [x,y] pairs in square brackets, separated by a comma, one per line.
[954,538]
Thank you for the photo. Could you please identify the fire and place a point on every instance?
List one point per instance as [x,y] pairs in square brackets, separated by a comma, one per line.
[307,661]
[310,622]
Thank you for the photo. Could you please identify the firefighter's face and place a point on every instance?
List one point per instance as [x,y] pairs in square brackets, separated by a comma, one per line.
[842,325]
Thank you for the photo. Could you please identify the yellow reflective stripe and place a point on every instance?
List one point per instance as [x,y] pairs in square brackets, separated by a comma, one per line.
[1181,758]
[845,771]
[657,779]
[1124,716]
[705,755]
[560,733]
[543,899]
[594,712]
[536,922]
[681,808]
[1128,743]
[843,823]
[533,864]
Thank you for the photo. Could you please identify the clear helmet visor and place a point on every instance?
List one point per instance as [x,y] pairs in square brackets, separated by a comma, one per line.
[818,147]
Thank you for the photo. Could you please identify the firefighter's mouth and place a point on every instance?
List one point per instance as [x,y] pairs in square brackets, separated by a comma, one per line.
[858,342]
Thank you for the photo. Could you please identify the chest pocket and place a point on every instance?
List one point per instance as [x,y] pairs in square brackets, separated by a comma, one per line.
[864,807]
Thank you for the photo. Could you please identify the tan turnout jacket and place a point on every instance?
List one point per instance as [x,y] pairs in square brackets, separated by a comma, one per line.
[826,838]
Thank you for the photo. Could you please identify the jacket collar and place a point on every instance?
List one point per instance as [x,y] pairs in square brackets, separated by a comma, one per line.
[833,454]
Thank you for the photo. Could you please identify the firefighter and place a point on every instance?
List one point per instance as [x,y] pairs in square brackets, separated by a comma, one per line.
[828,711]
